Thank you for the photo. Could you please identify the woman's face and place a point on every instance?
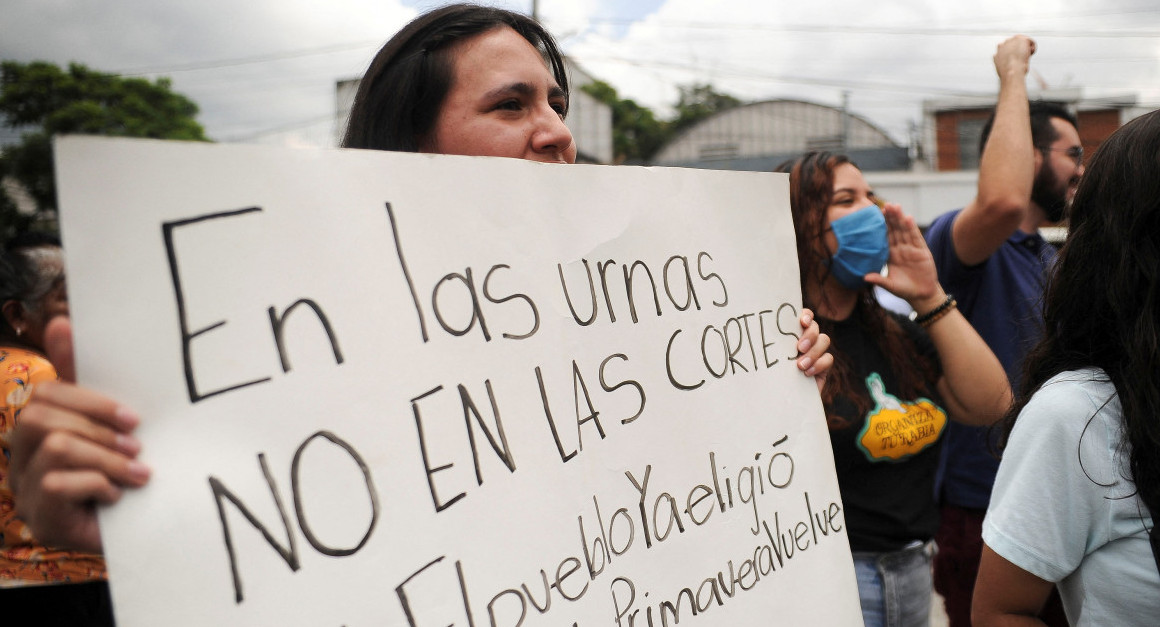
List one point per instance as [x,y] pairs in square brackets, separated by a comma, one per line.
[503,102]
[851,193]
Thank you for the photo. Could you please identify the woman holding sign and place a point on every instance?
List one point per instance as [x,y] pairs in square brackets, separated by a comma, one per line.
[895,381]
[462,79]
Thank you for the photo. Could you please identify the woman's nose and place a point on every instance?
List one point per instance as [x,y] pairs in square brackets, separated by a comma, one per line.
[551,134]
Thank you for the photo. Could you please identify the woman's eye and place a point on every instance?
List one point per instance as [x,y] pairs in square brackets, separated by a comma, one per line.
[509,105]
[560,108]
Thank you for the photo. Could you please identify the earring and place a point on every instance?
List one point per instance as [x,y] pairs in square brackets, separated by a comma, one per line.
[19,331]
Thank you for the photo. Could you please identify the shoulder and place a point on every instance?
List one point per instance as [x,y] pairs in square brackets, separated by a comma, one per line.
[23,365]
[1034,245]
[1068,395]
[20,372]
[939,231]
[940,239]
[1061,479]
[1075,411]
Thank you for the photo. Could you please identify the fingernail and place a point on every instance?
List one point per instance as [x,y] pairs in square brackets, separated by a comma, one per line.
[811,372]
[804,345]
[805,363]
[128,444]
[127,417]
[138,472]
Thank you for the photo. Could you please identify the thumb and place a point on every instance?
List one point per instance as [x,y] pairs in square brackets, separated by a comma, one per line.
[59,346]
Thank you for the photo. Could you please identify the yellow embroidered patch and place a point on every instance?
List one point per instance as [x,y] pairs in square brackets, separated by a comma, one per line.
[895,430]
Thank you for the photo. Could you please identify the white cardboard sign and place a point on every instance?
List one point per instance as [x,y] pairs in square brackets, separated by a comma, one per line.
[399,389]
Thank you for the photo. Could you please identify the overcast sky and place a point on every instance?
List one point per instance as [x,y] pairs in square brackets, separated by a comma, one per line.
[264,70]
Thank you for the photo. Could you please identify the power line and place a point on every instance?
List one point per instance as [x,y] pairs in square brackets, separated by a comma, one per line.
[1006,19]
[262,58]
[784,78]
[799,28]
[281,128]
[658,68]
[895,30]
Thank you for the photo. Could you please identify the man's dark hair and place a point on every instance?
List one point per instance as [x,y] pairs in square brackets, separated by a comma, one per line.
[402,92]
[1042,132]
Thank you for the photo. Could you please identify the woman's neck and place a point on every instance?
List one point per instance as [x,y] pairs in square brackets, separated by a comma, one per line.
[832,300]
[12,341]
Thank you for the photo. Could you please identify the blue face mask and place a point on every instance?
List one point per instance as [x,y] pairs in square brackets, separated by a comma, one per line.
[862,246]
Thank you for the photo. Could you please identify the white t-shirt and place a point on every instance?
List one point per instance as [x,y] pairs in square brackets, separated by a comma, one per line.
[1064,510]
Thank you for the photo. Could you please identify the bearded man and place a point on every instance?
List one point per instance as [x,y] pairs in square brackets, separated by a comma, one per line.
[991,257]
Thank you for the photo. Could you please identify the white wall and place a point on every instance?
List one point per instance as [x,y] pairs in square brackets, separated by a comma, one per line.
[925,195]
[591,124]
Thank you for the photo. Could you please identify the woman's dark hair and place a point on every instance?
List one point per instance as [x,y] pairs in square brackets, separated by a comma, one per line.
[811,191]
[1102,305]
[402,92]
[14,285]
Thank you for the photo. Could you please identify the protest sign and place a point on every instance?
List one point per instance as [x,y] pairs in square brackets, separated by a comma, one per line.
[400,389]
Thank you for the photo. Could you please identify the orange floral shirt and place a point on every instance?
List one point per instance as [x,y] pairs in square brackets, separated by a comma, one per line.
[23,561]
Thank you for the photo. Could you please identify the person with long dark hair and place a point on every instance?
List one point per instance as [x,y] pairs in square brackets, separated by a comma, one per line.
[895,382]
[462,79]
[466,80]
[1079,480]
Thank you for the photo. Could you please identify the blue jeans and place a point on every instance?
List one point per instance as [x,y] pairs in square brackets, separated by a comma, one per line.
[895,588]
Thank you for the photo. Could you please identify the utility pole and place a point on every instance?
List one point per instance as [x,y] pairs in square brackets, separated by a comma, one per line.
[845,121]
[536,10]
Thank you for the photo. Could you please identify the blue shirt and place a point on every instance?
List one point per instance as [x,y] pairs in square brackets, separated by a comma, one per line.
[1001,297]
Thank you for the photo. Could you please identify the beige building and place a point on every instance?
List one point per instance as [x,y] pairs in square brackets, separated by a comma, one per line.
[761,135]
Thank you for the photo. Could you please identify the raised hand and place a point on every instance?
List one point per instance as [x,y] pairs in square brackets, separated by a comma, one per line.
[912,275]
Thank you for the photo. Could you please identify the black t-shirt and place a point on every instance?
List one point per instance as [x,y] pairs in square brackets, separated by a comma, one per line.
[886,458]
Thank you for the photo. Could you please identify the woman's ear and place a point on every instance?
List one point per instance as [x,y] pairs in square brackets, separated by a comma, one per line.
[14,314]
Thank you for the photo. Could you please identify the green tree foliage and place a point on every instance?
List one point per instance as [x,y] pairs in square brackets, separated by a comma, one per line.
[43,100]
[637,134]
[698,102]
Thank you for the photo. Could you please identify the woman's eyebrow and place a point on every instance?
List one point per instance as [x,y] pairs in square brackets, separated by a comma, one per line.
[524,89]
[520,88]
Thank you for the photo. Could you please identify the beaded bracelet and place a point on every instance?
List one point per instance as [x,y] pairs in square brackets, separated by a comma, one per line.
[932,316]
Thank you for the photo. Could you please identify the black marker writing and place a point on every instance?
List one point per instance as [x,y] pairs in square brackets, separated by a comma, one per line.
[452,284]
[289,551]
[277,321]
[635,277]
